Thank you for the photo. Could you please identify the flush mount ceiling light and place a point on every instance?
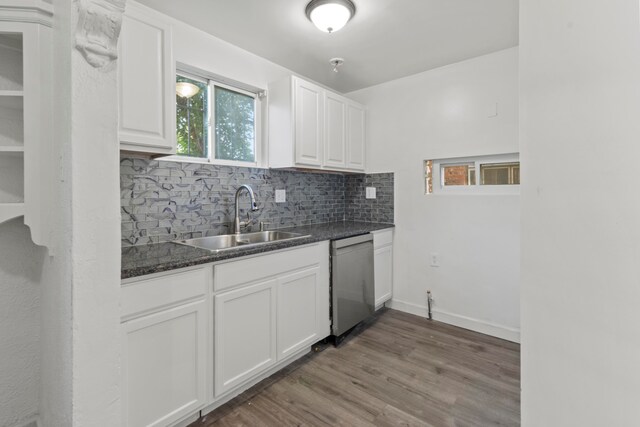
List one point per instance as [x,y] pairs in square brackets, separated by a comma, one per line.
[186,89]
[330,15]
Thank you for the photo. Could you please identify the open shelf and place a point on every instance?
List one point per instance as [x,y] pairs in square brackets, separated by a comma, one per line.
[12,99]
[25,135]
[11,66]
[11,177]
[11,92]
[11,121]
[11,149]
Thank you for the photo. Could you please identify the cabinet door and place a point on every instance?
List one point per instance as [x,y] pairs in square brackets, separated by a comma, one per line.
[245,328]
[163,365]
[355,137]
[146,85]
[335,131]
[383,273]
[299,319]
[309,100]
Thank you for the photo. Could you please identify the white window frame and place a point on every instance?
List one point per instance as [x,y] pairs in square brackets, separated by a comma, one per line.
[477,189]
[212,82]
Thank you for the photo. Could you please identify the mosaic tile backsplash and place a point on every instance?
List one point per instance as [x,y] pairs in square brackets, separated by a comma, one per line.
[165,201]
[359,208]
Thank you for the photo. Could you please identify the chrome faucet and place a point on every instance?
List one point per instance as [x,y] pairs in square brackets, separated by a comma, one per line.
[254,207]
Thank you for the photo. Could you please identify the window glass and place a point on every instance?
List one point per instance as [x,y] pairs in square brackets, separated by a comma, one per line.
[191,120]
[458,175]
[235,125]
[500,174]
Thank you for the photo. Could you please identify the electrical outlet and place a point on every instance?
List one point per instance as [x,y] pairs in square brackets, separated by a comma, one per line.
[281,196]
[434,260]
[370,192]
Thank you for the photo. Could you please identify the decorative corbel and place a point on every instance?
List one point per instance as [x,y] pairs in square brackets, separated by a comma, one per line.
[99,24]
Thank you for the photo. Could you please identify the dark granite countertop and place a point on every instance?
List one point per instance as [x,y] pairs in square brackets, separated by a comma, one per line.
[148,259]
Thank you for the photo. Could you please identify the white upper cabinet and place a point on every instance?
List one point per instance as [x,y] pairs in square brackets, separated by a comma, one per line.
[309,105]
[311,127]
[355,137]
[146,84]
[335,131]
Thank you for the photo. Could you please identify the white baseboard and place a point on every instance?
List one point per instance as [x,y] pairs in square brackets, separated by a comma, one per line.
[184,422]
[487,328]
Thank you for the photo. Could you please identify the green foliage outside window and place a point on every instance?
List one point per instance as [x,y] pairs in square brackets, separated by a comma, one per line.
[234,121]
[235,126]
[191,125]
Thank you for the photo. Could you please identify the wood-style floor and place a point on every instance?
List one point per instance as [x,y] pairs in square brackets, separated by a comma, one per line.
[399,370]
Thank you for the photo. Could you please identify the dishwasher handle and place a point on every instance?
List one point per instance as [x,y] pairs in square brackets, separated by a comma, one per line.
[350,241]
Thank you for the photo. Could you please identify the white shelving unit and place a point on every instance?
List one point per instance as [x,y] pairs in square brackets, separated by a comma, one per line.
[11,126]
[25,116]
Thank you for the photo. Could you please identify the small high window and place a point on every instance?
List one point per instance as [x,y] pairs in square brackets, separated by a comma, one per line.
[498,174]
[218,123]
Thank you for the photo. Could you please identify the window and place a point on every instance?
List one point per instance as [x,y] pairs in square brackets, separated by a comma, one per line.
[218,123]
[499,174]
[192,125]
[235,125]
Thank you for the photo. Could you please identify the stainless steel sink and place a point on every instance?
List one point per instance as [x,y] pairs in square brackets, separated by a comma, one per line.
[232,241]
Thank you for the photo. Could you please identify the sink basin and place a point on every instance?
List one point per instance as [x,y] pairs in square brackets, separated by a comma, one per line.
[233,241]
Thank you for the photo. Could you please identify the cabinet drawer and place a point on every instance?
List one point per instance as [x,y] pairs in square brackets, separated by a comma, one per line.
[245,271]
[163,290]
[382,238]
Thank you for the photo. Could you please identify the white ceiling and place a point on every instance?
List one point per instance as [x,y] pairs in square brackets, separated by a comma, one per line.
[385,40]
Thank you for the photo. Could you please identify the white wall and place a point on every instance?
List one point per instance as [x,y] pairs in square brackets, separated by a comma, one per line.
[20,266]
[444,113]
[202,50]
[580,68]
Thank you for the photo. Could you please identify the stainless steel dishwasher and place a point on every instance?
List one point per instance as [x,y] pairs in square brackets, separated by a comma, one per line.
[352,283]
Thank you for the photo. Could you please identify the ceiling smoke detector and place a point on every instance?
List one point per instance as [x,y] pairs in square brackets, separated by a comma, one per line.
[330,15]
[336,62]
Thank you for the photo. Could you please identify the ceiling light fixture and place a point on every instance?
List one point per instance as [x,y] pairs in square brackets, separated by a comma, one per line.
[186,89]
[330,15]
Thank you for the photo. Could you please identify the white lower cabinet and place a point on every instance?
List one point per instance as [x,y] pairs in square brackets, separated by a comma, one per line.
[299,297]
[165,324]
[194,338]
[164,365]
[267,310]
[245,332]
[383,266]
